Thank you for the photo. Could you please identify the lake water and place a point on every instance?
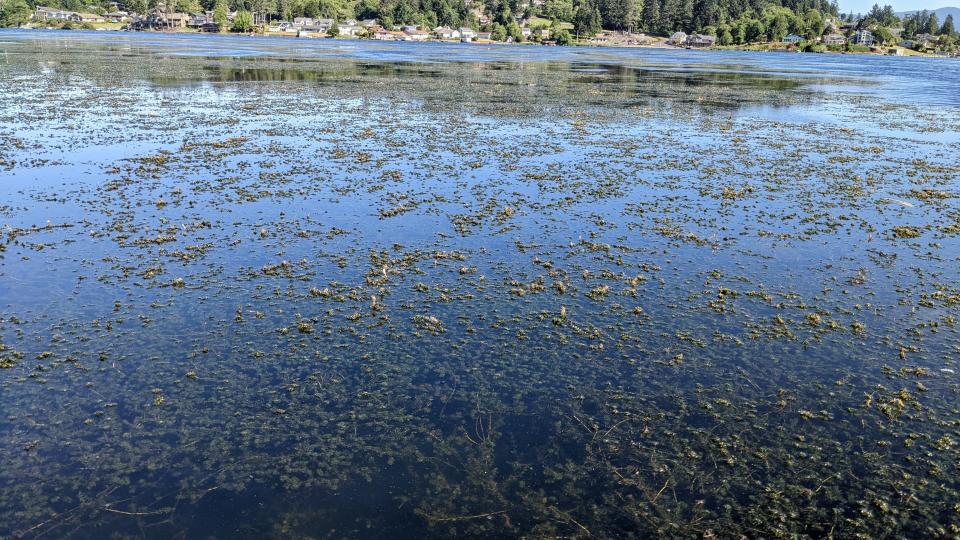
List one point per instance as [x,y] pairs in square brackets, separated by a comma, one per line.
[255,287]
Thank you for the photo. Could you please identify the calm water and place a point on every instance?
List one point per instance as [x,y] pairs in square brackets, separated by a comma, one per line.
[285,288]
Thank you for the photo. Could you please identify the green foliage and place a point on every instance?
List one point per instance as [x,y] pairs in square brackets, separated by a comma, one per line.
[243,21]
[947,28]
[333,31]
[498,32]
[220,15]
[586,22]
[559,34]
[881,16]
[725,37]
[514,31]
[135,6]
[619,14]
[186,6]
[882,35]
[14,12]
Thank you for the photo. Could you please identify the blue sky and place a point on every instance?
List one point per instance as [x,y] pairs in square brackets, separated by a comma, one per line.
[863,6]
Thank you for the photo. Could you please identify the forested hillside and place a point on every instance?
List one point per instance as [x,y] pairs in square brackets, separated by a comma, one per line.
[743,19]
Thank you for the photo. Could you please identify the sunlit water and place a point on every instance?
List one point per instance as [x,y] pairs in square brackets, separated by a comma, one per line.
[255,287]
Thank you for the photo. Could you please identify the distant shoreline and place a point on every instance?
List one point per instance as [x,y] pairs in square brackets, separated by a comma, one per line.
[661,44]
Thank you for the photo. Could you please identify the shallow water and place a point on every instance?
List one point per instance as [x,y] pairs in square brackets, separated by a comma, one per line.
[256,287]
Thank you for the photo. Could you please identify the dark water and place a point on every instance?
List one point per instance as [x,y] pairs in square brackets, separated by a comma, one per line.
[283,288]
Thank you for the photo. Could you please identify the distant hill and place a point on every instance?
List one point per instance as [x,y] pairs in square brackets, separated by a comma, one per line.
[941,13]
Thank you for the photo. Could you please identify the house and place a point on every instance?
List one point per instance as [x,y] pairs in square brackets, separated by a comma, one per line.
[678,39]
[159,20]
[834,39]
[118,16]
[178,20]
[349,27]
[87,18]
[701,41]
[197,20]
[443,32]
[793,39]
[863,37]
[368,23]
[924,41]
[302,21]
[389,35]
[282,26]
[484,35]
[466,34]
[43,13]
[416,35]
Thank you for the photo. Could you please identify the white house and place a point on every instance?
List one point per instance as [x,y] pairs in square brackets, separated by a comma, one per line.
[443,32]
[834,39]
[863,37]
[678,39]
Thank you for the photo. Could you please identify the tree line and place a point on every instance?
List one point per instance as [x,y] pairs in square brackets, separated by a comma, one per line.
[733,22]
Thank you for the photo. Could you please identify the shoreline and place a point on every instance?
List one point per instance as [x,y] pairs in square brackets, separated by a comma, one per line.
[661,45]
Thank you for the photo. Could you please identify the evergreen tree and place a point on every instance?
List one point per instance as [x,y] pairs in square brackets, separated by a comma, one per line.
[14,12]
[618,14]
[651,15]
[586,22]
[220,15]
[933,25]
[947,28]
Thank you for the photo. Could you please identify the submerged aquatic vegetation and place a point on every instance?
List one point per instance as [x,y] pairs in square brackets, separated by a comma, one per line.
[574,295]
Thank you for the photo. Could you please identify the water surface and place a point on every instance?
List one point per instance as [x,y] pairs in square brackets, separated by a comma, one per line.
[256,287]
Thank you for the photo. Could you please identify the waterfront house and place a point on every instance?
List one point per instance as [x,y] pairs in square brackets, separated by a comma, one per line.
[443,32]
[416,35]
[678,39]
[924,41]
[177,20]
[793,39]
[467,34]
[197,20]
[349,27]
[389,35]
[302,21]
[834,39]
[282,26]
[484,35]
[863,37]
[701,41]
[43,13]
[118,16]
[158,20]
[368,23]
[87,18]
